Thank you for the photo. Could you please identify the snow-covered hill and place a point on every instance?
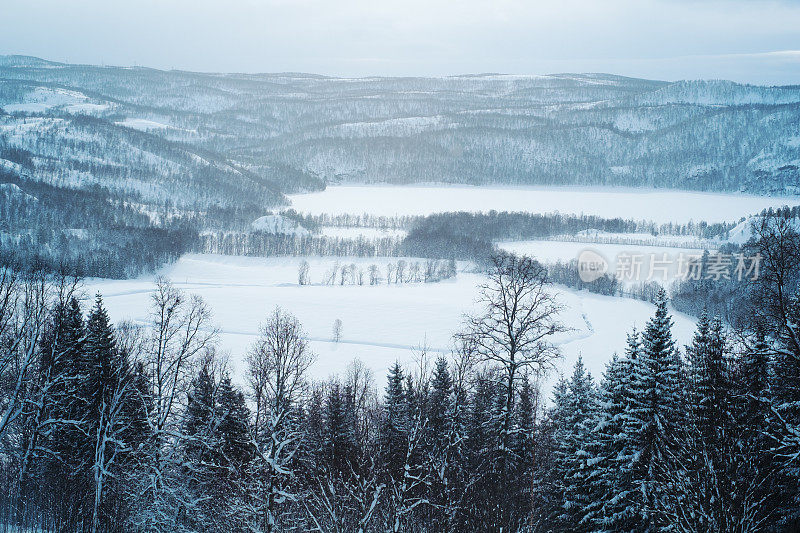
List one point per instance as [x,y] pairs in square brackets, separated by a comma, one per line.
[295,131]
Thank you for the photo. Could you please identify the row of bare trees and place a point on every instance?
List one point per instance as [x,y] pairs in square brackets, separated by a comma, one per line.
[403,271]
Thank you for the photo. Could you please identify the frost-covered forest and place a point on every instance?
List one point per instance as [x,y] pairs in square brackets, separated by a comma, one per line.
[139,427]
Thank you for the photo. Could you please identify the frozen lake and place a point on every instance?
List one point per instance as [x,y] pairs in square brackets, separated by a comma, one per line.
[639,204]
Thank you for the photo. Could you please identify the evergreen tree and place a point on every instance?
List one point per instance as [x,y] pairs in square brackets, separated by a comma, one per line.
[572,454]
[339,443]
[523,448]
[100,350]
[481,452]
[60,438]
[201,446]
[654,412]
[440,402]
[608,450]
[394,427]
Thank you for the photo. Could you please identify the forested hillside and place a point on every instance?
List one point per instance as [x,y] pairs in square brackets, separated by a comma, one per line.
[298,130]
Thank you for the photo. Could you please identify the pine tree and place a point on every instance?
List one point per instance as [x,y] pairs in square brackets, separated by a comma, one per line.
[65,351]
[100,352]
[654,413]
[110,388]
[440,402]
[753,419]
[56,431]
[339,443]
[523,450]
[571,454]
[606,451]
[481,451]
[620,510]
[201,445]
[394,426]
[785,427]
[235,452]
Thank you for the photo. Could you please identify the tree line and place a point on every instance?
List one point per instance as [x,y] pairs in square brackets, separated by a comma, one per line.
[402,271]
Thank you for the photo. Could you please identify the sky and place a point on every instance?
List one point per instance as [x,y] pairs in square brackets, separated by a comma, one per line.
[753,41]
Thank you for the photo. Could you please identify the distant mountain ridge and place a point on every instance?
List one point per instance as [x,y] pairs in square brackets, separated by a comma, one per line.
[292,132]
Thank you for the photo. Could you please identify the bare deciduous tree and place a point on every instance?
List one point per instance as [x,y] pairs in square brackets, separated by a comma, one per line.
[302,273]
[400,273]
[277,364]
[374,275]
[389,272]
[181,330]
[24,304]
[515,329]
[337,330]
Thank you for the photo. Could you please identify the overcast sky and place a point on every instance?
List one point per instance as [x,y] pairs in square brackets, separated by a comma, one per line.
[754,41]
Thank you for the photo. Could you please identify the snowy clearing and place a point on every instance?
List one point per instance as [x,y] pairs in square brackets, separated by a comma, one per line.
[554,251]
[640,204]
[42,99]
[381,324]
[143,124]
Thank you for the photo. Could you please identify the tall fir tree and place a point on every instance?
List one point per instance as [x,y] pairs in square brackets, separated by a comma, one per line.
[572,441]
[394,426]
[655,408]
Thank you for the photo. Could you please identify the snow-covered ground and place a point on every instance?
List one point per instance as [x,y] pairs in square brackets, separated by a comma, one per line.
[639,204]
[380,324]
[656,257]
[143,124]
[43,98]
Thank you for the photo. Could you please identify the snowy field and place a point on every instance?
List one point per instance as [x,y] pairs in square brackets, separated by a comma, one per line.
[657,257]
[381,324]
[639,204]
[142,124]
[552,251]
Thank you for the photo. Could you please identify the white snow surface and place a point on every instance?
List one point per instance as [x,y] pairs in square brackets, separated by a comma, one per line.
[43,98]
[381,324]
[554,251]
[142,124]
[660,206]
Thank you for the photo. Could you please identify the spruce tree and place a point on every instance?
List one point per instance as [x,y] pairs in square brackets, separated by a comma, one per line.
[655,409]
[201,446]
[100,351]
[394,427]
[572,443]
[66,445]
[607,449]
